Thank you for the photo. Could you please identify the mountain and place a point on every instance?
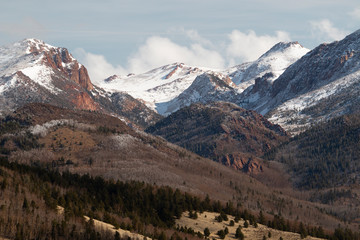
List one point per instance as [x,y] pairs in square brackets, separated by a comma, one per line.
[223,132]
[274,62]
[33,71]
[321,85]
[155,86]
[171,87]
[206,88]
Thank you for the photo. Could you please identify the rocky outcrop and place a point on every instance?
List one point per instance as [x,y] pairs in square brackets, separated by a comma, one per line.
[61,60]
[82,100]
[240,161]
[33,71]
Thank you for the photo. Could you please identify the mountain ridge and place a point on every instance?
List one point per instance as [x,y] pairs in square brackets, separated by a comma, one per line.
[33,71]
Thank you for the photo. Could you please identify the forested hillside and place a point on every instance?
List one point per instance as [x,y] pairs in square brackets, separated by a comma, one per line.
[326,155]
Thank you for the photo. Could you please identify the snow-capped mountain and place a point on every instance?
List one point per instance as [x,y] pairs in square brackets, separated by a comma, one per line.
[157,86]
[33,71]
[323,84]
[274,62]
[170,87]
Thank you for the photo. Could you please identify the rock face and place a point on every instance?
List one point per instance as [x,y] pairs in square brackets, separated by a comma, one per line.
[33,71]
[134,110]
[223,132]
[60,59]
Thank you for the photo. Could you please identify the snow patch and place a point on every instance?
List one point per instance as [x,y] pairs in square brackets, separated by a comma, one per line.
[42,75]
[42,130]
[124,140]
[9,84]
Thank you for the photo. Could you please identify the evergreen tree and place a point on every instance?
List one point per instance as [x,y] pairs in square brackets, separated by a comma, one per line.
[206,232]
[239,234]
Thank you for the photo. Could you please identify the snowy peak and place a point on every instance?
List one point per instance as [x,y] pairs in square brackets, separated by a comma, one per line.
[36,45]
[159,85]
[163,85]
[282,47]
[274,61]
[39,61]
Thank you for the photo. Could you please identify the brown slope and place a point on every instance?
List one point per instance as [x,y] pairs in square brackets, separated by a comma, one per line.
[102,145]
[223,132]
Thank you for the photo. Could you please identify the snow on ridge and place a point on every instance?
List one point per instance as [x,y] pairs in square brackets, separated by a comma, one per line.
[41,74]
[43,129]
[6,85]
[274,61]
[38,44]
[161,84]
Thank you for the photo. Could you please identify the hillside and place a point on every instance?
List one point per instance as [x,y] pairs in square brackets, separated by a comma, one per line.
[223,132]
[324,160]
[79,142]
[326,155]
[255,231]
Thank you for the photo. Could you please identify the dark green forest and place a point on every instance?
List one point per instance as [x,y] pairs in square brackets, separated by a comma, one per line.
[326,155]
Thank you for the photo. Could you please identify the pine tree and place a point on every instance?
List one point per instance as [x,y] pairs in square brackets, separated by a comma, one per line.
[239,234]
[206,232]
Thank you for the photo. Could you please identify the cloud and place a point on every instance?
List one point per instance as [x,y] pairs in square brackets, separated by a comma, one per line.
[158,51]
[355,13]
[325,31]
[249,46]
[194,36]
[97,65]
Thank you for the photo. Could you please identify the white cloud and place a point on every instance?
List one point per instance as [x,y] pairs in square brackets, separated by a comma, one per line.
[249,46]
[98,67]
[158,51]
[355,13]
[325,31]
[194,36]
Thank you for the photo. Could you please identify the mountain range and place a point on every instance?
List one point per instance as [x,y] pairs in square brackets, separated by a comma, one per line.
[282,125]
[293,86]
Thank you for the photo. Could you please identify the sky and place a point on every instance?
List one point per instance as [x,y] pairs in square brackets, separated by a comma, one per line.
[133,36]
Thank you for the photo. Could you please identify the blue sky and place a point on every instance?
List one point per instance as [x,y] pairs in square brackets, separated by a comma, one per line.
[117,37]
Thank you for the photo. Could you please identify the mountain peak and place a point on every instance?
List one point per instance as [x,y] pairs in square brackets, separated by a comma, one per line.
[36,45]
[283,47]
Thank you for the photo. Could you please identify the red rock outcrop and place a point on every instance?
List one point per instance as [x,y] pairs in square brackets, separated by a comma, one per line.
[60,59]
